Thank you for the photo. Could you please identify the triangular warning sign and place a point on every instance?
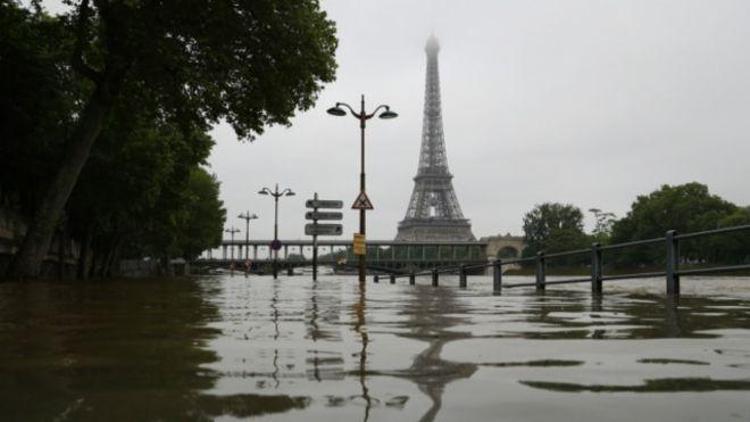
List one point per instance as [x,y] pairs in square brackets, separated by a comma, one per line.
[362,202]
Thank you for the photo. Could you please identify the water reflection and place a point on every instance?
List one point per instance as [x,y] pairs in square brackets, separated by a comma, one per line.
[135,349]
[360,328]
[431,315]
[291,349]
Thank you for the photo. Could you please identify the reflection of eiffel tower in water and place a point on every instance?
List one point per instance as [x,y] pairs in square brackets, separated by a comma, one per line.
[433,213]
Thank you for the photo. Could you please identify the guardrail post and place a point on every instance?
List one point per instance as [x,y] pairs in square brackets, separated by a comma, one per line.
[393,278]
[376,278]
[540,273]
[596,269]
[497,276]
[462,276]
[434,278]
[673,262]
[412,279]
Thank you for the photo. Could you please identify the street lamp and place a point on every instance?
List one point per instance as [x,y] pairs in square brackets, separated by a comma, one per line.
[363,117]
[247,217]
[276,245]
[232,231]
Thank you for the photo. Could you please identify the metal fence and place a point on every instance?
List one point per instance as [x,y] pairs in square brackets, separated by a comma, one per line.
[672,272]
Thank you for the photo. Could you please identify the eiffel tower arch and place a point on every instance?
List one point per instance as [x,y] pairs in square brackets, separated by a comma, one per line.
[433,212]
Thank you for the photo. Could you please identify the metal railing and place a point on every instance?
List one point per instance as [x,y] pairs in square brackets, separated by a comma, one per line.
[672,272]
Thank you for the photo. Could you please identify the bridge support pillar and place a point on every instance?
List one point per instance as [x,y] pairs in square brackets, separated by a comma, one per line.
[286,252]
[255,252]
[224,252]
[462,277]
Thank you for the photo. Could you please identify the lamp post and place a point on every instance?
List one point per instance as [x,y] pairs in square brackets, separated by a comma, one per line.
[363,117]
[232,231]
[276,245]
[247,217]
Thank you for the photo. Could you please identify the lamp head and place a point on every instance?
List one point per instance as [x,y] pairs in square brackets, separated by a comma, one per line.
[336,111]
[290,193]
[263,192]
[388,114]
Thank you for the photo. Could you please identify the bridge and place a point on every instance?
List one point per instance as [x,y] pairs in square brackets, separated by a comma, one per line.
[382,255]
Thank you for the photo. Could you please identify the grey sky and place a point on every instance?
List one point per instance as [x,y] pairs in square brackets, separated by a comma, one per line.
[587,102]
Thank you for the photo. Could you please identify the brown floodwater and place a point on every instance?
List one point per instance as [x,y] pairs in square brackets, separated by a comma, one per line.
[230,348]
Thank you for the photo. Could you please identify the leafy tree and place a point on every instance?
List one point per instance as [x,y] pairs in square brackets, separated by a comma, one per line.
[732,248]
[604,223]
[205,215]
[553,227]
[199,62]
[685,208]
[37,104]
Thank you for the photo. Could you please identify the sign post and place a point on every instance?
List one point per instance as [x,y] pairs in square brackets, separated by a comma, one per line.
[314,229]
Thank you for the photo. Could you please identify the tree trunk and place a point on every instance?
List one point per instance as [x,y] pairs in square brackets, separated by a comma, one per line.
[27,262]
[84,260]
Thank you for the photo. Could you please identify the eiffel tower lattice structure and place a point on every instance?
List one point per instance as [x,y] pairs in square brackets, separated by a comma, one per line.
[434,212]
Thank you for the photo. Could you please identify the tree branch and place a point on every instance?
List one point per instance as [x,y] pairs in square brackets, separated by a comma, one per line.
[77,61]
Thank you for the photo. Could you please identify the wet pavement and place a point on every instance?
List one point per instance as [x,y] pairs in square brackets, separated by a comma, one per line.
[228,348]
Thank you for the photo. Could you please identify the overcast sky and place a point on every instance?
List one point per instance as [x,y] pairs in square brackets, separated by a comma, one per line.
[584,102]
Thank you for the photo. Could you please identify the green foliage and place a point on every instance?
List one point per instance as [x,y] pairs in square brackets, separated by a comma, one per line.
[605,221]
[203,218]
[129,90]
[37,104]
[554,227]
[685,208]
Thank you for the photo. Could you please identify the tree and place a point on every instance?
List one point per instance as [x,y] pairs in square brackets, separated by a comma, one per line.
[685,208]
[553,227]
[203,224]
[604,223]
[249,63]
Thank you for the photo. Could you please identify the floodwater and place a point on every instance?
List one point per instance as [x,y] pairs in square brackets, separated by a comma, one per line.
[230,348]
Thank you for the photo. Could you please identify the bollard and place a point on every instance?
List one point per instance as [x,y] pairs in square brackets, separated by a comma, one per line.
[434,278]
[540,267]
[412,279]
[376,278]
[497,276]
[673,262]
[393,278]
[462,277]
[596,269]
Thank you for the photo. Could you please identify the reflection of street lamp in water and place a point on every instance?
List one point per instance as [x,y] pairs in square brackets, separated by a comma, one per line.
[359,311]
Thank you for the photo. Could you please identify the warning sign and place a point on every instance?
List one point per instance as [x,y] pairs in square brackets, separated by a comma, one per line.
[359,244]
[362,202]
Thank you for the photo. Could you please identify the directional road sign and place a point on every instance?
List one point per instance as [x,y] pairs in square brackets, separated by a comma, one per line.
[323,229]
[322,215]
[362,202]
[324,203]
[276,245]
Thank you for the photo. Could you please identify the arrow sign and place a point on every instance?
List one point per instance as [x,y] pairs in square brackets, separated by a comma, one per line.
[362,202]
[323,229]
[323,203]
[322,215]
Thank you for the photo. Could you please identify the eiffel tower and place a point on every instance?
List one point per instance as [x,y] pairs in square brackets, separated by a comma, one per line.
[433,213]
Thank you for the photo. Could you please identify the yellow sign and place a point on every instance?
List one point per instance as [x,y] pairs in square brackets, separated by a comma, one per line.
[359,244]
